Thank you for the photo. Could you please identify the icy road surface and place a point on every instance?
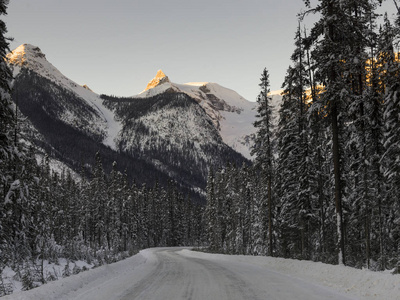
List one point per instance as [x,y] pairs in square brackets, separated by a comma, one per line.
[176,276]
[178,273]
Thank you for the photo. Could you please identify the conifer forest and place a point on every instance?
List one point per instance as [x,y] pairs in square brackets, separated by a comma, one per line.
[324,183]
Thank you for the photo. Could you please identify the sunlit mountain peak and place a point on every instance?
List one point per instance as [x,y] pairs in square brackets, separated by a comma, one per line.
[24,53]
[159,79]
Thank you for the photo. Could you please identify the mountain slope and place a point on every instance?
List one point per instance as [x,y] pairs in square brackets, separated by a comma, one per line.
[173,132]
[232,115]
[156,139]
[87,106]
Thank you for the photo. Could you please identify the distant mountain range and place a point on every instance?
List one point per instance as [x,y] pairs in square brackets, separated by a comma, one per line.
[169,131]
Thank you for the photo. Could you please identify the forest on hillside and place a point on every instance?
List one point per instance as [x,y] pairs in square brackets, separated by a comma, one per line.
[325,183]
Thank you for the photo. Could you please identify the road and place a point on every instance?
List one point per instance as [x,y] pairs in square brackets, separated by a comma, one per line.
[180,274]
[176,276]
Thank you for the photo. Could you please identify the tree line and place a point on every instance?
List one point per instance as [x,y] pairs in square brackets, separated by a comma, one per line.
[47,215]
[324,185]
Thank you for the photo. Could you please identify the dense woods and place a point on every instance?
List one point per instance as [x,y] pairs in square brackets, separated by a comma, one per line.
[328,190]
[47,215]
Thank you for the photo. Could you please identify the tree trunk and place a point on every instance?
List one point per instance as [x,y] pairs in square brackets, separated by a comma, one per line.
[271,252]
[338,189]
[336,152]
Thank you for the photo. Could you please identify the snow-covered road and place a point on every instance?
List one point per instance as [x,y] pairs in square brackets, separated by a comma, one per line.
[177,273]
[177,276]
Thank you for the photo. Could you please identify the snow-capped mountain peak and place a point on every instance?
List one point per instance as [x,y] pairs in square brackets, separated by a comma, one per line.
[102,121]
[31,57]
[25,55]
[158,80]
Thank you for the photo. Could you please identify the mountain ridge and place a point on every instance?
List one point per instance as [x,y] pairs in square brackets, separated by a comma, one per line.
[154,139]
[232,114]
[32,58]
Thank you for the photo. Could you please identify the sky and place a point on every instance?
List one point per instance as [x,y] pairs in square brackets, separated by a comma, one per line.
[116,47]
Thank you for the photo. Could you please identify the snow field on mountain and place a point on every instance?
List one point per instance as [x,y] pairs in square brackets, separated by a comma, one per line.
[285,276]
[113,126]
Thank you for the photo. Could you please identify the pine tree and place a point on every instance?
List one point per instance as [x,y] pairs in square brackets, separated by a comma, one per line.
[293,164]
[329,55]
[263,148]
[96,212]
[8,151]
[389,79]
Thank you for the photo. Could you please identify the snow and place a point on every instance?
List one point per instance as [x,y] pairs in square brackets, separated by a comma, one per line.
[57,166]
[177,273]
[159,89]
[196,83]
[31,57]
[339,236]
[235,119]
[113,126]
[236,132]
[361,284]
[55,271]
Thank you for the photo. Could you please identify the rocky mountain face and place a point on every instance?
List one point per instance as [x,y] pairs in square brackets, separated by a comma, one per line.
[232,115]
[154,137]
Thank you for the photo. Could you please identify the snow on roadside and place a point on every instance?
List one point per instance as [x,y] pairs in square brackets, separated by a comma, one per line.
[360,283]
[116,278]
[50,271]
[115,275]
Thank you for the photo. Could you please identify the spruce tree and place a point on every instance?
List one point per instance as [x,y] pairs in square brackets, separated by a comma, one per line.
[293,164]
[210,213]
[263,148]
[390,83]
[329,36]
[8,151]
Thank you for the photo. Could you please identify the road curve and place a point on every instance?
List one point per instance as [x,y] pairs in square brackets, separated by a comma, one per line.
[173,276]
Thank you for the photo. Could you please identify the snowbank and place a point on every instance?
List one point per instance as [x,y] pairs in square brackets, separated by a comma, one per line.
[76,286]
[364,284]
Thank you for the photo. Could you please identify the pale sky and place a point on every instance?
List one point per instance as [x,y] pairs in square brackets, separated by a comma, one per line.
[117,46]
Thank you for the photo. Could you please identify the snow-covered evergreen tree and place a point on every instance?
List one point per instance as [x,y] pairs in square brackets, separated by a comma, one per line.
[263,149]
[390,82]
[293,166]
[329,55]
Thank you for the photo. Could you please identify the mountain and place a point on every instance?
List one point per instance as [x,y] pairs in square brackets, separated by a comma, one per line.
[153,139]
[76,105]
[232,115]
